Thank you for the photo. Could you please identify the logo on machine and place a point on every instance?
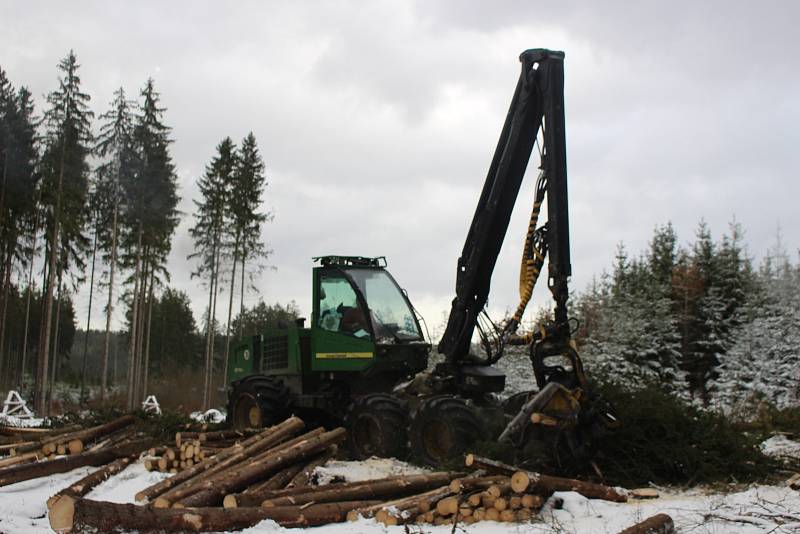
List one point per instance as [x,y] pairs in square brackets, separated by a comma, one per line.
[246,354]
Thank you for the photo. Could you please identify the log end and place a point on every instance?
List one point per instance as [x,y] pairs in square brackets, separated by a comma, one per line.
[75,446]
[62,513]
[229,502]
[161,502]
[520,481]
[469,459]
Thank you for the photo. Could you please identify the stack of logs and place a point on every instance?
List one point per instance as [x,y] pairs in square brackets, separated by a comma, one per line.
[23,446]
[191,448]
[233,480]
[268,475]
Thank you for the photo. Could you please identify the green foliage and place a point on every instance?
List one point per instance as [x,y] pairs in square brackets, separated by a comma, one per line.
[263,316]
[664,440]
[174,341]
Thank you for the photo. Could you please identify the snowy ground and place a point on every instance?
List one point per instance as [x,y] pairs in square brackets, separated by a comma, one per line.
[757,509]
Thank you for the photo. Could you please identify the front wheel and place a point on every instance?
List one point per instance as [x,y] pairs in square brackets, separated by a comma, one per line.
[376,426]
[257,402]
[443,428]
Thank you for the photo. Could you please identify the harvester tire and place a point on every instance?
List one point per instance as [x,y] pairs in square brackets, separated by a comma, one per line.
[258,401]
[376,426]
[443,428]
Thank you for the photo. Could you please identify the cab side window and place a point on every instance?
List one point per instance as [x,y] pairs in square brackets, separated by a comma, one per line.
[339,310]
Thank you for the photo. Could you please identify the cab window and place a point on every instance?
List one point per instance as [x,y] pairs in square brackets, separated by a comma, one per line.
[339,310]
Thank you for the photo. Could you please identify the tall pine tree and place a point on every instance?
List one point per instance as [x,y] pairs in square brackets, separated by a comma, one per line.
[209,232]
[65,174]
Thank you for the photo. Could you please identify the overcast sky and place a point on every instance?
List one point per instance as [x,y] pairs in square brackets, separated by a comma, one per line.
[377,120]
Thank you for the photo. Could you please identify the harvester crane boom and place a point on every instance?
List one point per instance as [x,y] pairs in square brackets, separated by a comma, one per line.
[538,104]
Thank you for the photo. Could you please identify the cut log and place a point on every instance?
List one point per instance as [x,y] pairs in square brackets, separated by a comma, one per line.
[447,506]
[252,496]
[32,456]
[535,482]
[277,481]
[70,514]
[91,481]
[267,438]
[427,499]
[198,483]
[643,493]
[221,435]
[532,502]
[304,476]
[392,487]
[474,483]
[237,479]
[18,473]
[657,524]
[489,465]
[89,434]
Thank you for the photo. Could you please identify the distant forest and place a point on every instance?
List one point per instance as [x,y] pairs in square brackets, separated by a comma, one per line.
[701,322]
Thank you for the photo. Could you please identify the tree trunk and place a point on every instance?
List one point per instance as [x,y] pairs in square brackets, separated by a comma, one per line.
[489,465]
[230,309]
[429,499]
[236,479]
[3,311]
[28,304]
[145,278]
[110,305]
[44,345]
[303,478]
[265,439]
[522,481]
[56,329]
[213,332]
[209,328]
[387,488]
[134,321]
[88,319]
[241,299]
[277,481]
[147,338]
[91,481]
[19,473]
[70,514]
[657,524]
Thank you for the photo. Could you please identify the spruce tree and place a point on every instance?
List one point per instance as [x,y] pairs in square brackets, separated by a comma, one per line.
[116,150]
[209,232]
[65,175]
[244,228]
[150,218]
[18,190]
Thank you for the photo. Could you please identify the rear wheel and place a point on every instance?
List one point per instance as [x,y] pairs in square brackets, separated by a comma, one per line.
[258,402]
[443,428]
[376,426]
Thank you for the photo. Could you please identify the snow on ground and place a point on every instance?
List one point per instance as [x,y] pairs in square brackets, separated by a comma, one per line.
[19,422]
[757,509]
[209,416]
[779,446]
[370,469]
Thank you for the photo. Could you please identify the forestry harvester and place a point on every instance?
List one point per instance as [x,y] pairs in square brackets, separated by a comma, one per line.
[364,361]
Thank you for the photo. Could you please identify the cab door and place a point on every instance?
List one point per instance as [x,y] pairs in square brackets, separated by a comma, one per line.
[342,337]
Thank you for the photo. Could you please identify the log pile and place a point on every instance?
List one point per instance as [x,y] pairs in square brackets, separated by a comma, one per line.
[500,492]
[237,479]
